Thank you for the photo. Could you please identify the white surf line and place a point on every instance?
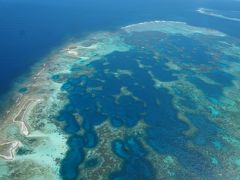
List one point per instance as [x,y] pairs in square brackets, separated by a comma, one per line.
[40,72]
[210,12]
[11,151]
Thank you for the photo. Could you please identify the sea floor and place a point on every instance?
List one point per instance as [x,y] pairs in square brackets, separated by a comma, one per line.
[154,100]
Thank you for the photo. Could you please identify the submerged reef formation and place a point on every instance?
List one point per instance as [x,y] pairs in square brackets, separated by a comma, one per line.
[155,100]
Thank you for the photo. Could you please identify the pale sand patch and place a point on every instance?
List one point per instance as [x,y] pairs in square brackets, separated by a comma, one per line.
[11,147]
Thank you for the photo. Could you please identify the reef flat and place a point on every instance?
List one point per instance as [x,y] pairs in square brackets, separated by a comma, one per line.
[171,27]
[154,100]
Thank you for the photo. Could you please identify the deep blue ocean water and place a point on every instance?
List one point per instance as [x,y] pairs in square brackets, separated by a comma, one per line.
[29,30]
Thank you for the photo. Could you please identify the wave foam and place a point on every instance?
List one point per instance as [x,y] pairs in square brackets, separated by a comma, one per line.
[211,12]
